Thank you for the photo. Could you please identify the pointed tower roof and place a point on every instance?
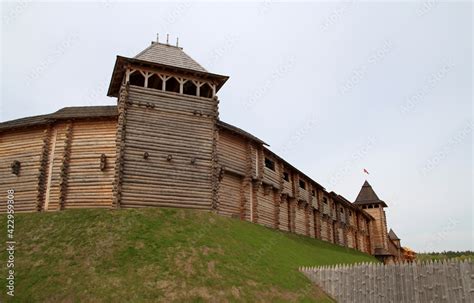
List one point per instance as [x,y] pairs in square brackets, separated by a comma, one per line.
[368,196]
[169,55]
[164,57]
[392,235]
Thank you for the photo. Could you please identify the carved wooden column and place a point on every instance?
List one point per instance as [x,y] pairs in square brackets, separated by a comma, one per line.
[163,78]
[146,76]
[181,82]
[198,87]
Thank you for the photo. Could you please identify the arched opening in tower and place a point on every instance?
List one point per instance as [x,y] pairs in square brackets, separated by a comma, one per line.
[172,85]
[189,88]
[155,82]
[205,91]
[137,79]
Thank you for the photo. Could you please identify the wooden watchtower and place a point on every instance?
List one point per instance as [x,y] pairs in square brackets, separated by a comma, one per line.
[368,200]
[166,133]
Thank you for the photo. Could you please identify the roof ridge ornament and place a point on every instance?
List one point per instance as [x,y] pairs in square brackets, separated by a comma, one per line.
[167,40]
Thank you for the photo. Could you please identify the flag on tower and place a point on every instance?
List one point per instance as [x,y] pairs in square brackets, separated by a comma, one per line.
[365,171]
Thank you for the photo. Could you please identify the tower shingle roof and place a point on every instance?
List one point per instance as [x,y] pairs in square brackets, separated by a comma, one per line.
[75,112]
[169,55]
[392,235]
[368,196]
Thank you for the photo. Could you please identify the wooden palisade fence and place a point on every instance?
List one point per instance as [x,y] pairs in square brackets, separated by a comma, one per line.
[445,281]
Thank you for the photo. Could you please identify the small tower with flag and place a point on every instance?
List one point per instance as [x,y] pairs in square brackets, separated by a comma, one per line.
[368,200]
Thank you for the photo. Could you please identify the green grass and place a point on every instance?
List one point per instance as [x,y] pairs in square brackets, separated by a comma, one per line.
[153,254]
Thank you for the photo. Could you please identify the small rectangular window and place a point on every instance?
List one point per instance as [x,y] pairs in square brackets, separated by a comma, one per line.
[342,210]
[313,193]
[269,164]
[302,184]
[350,213]
[325,200]
[286,176]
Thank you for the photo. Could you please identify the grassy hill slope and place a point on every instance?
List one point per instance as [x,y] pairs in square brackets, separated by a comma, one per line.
[150,255]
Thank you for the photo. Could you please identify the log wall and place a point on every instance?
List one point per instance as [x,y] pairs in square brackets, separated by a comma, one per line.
[230,195]
[168,150]
[88,185]
[340,235]
[350,239]
[331,233]
[165,149]
[317,224]
[287,188]
[232,152]
[25,146]
[325,229]
[272,176]
[300,218]
[59,168]
[361,242]
[266,206]
[283,221]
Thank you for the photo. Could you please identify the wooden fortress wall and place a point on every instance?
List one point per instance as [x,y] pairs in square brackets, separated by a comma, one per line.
[61,169]
[273,197]
[168,150]
[63,165]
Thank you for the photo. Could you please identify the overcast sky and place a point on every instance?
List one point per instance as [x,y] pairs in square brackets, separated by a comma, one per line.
[332,87]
